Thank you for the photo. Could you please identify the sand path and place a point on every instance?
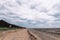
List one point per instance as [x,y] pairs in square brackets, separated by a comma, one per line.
[20,34]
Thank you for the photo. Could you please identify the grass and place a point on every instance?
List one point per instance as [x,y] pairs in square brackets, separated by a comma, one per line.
[5,28]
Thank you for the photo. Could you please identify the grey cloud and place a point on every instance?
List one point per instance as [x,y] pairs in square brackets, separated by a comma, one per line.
[19,2]
[57,6]
[58,19]
[57,15]
[10,13]
[56,24]
[42,9]
[2,14]
[2,7]
[33,6]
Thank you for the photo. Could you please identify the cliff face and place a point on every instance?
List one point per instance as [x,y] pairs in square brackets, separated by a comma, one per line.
[6,24]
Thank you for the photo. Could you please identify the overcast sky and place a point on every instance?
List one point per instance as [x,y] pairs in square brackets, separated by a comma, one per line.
[31,13]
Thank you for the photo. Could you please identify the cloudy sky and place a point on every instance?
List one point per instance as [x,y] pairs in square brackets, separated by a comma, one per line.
[31,13]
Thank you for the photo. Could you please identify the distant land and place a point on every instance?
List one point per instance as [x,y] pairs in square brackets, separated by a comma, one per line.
[5,25]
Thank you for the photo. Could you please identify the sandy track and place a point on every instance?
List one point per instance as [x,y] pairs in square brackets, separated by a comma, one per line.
[20,34]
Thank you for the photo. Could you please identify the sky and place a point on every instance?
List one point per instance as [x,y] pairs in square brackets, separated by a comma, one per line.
[31,13]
